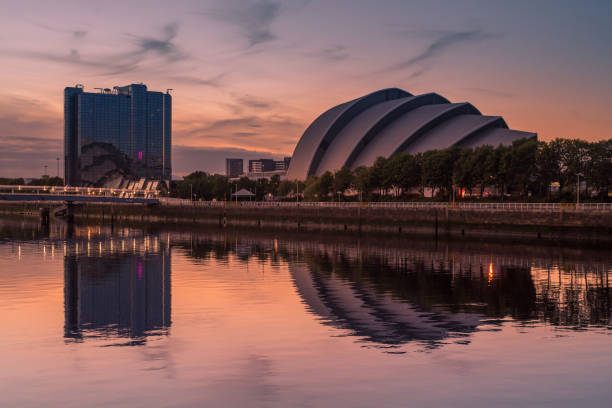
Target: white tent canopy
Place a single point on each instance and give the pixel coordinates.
(243, 193)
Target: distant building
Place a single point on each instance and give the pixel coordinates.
(234, 167)
(283, 164)
(261, 165)
(267, 165)
(124, 132)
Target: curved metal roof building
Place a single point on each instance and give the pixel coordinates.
(389, 121)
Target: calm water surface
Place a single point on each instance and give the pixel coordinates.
(125, 317)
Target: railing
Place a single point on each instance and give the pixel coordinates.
(78, 191)
(544, 207)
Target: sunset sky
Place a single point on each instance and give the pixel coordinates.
(249, 76)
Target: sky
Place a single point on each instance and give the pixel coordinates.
(248, 76)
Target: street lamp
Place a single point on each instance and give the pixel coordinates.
(578, 187)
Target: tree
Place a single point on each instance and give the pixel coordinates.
(311, 188)
(409, 175)
(504, 168)
(379, 178)
(438, 168)
(362, 181)
(221, 189)
(273, 185)
(343, 179)
(600, 171)
(523, 163)
(483, 167)
(464, 172)
(47, 181)
(198, 183)
(547, 167)
(326, 182)
(285, 188)
(12, 181)
(390, 173)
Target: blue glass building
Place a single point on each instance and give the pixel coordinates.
(124, 132)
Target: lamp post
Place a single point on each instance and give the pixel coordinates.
(191, 191)
(578, 187)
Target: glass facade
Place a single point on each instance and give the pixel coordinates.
(121, 293)
(126, 133)
(234, 167)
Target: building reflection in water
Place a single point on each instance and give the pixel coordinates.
(117, 294)
(389, 296)
(432, 299)
(117, 282)
(378, 317)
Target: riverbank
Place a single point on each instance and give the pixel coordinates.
(547, 223)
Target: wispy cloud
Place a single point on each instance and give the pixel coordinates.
(245, 104)
(123, 62)
(253, 18)
(439, 46)
(162, 45)
(248, 122)
(102, 65)
(254, 131)
(213, 82)
(333, 53)
(76, 33)
(253, 102)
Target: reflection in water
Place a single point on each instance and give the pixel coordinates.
(118, 294)
(377, 316)
(431, 299)
(389, 296)
(117, 283)
(281, 319)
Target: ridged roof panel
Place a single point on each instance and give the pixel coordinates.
(398, 133)
(452, 131)
(313, 145)
(495, 137)
(310, 140)
(342, 145)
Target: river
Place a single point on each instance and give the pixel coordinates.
(139, 317)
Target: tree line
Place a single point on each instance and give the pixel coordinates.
(203, 186)
(526, 170)
(43, 181)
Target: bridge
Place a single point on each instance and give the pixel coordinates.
(67, 194)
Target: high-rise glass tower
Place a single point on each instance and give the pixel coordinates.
(123, 132)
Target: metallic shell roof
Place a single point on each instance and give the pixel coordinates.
(389, 121)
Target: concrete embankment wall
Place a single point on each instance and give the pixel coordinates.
(448, 221)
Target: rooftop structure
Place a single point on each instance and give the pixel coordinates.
(389, 121)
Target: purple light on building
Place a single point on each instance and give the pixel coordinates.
(139, 271)
(139, 155)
